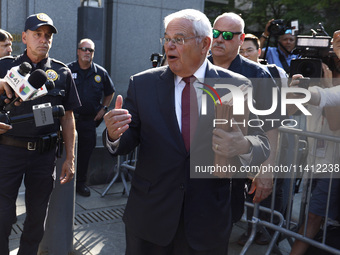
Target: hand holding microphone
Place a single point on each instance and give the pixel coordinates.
(26, 87)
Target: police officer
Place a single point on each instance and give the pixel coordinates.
(96, 91)
(29, 152)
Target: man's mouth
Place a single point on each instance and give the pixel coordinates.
(172, 57)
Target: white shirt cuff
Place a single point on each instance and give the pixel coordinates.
(247, 158)
(112, 146)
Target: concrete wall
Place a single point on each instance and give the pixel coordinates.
(63, 14)
(137, 26)
(137, 29)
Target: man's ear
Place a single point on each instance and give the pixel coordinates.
(242, 38)
(206, 42)
(23, 37)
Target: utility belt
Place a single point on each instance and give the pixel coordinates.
(42, 144)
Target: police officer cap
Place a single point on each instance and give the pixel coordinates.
(33, 22)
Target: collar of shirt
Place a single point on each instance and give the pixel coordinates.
(179, 86)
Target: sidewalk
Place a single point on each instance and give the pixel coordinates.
(99, 230)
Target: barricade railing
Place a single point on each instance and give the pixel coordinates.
(286, 226)
(124, 163)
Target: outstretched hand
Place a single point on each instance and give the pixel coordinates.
(4, 128)
(336, 43)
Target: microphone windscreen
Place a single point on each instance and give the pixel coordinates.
(24, 68)
(49, 84)
(58, 111)
(37, 78)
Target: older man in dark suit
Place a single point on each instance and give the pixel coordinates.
(168, 211)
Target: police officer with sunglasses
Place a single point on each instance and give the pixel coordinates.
(228, 36)
(96, 90)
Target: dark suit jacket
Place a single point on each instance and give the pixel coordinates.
(161, 187)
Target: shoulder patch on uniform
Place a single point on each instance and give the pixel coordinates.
(98, 78)
(51, 74)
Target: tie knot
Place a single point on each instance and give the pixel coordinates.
(189, 79)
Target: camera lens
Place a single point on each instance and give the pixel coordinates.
(307, 69)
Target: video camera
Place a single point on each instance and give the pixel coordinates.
(313, 50)
(156, 59)
(42, 114)
(277, 27)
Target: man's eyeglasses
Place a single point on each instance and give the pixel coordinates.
(86, 49)
(176, 40)
(225, 34)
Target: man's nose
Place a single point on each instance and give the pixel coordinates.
(219, 38)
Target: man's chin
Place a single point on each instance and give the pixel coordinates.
(217, 51)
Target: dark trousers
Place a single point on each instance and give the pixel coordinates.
(86, 143)
(178, 246)
(37, 170)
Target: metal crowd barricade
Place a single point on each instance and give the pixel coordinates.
(286, 226)
(124, 163)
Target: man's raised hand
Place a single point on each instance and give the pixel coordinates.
(117, 120)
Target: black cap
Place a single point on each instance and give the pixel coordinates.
(33, 22)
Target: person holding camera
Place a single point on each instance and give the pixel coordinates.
(329, 96)
(28, 152)
(282, 54)
(96, 91)
(326, 121)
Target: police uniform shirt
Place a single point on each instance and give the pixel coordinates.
(64, 93)
(91, 85)
(262, 83)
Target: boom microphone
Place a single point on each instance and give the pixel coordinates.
(42, 115)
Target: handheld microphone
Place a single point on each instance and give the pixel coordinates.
(17, 77)
(27, 87)
(43, 90)
(42, 114)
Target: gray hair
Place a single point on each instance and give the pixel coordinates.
(200, 22)
(233, 16)
(86, 40)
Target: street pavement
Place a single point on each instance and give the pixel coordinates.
(99, 230)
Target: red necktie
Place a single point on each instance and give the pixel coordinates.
(189, 111)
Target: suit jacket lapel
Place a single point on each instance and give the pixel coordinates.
(205, 122)
(166, 102)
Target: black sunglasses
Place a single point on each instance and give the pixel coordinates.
(85, 49)
(225, 34)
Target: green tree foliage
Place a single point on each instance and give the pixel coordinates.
(308, 12)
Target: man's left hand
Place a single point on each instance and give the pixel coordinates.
(100, 114)
(67, 172)
(230, 144)
(263, 185)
